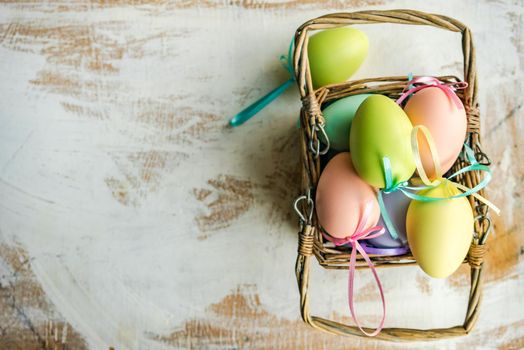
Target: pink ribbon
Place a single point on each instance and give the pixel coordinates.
(353, 239)
(420, 83)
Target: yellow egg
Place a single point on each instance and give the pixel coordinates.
(440, 232)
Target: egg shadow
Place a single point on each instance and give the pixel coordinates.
(271, 159)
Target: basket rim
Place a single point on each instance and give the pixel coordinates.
(311, 118)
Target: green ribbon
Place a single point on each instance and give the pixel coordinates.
(403, 186)
(392, 187)
(406, 189)
(248, 112)
(410, 78)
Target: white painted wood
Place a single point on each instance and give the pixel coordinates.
(113, 126)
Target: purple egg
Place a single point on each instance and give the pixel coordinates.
(397, 206)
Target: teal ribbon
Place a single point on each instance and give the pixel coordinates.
(389, 188)
(410, 78)
(248, 112)
(407, 190)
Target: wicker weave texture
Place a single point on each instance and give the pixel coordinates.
(310, 239)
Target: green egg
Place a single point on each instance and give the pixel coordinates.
(336, 54)
(339, 116)
(381, 129)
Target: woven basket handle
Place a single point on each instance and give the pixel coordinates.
(311, 113)
(305, 252)
(301, 66)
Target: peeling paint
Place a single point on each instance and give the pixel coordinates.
(20, 294)
(205, 4)
(141, 174)
(126, 103)
(227, 198)
(423, 284)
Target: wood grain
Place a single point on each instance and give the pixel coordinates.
(20, 295)
(131, 216)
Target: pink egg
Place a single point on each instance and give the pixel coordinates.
(342, 197)
(446, 122)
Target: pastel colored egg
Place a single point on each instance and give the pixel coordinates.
(341, 198)
(336, 54)
(440, 232)
(396, 204)
(446, 122)
(381, 129)
(339, 116)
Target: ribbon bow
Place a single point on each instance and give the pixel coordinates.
(420, 83)
(474, 166)
(439, 179)
(248, 112)
(361, 233)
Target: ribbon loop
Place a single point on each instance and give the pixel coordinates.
(466, 191)
(409, 191)
(419, 83)
(353, 239)
(248, 112)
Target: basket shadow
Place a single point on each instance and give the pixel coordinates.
(271, 161)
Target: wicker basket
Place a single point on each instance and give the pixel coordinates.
(310, 239)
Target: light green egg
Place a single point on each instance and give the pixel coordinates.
(335, 54)
(381, 129)
(339, 116)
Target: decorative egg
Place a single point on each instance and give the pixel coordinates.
(335, 54)
(339, 116)
(381, 129)
(440, 232)
(446, 122)
(341, 198)
(396, 204)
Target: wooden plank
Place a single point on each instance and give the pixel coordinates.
(131, 216)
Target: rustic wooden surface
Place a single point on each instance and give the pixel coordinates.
(132, 217)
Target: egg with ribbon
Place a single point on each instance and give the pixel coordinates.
(441, 111)
(440, 232)
(335, 54)
(396, 203)
(339, 116)
(341, 198)
(381, 129)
